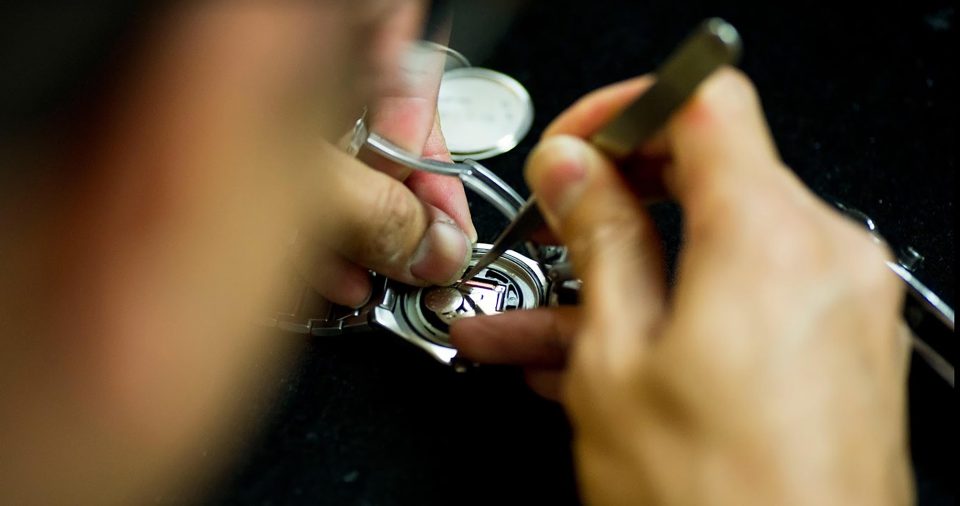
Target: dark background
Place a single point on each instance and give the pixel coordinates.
(862, 102)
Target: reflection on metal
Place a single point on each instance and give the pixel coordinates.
(423, 315)
(923, 305)
(454, 59)
(475, 177)
(443, 299)
(483, 112)
(931, 301)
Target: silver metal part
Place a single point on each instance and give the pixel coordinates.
(714, 44)
(483, 112)
(454, 59)
(934, 359)
(443, 300)
(903, 267)
(475, 177)
(910, 258)
(423, 316)
(931, 301)
(922, 305)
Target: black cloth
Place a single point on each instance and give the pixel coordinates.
(862, 103)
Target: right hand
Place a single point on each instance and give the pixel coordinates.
(772, 373)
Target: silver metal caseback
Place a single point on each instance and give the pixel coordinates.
(483, 112)
(423, 316)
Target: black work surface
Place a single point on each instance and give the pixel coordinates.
(862, 102)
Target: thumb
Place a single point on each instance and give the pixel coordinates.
(378, 223)
(613, 244)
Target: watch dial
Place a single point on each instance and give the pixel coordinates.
(483, 112)
(505, 285)
(491, 292)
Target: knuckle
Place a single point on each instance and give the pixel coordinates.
(866, 266)
(729, 93)
(739, 80)
(721, 211)
(863, 257)
(712, 213)
(613, 237)
(740, 90)
(796, 242)
(768, 229)
(389, 222)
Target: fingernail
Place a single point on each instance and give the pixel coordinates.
(352, 289)
(557, 173)
(364, 299)
(725, 95)
(442, 255)
(472, 235)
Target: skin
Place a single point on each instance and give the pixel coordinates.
(178, 207)
(171, 215)
(773, 372)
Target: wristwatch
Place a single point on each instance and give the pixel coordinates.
(422, 315)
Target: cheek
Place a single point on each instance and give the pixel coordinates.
(289, 68)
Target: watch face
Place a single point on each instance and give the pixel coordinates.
(511, 282)
(482, 112)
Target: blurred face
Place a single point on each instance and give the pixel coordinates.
(131, 291)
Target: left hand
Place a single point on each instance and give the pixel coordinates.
(373, 214)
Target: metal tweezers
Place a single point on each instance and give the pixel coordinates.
(713, 44)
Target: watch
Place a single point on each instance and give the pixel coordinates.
(423, 315)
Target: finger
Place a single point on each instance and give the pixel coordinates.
(589, 114)
(644, 170)
(538, 337)
(390, 27)
(734, 190)
(613, 244)
(544, 235)
(404, 121)
(406, 110)
(332, 276)
(435, 147)
(646, 280)
(547, 383)
(443, 192)
(750, 226)
(378, 223)
(720, 141)
(336, 279)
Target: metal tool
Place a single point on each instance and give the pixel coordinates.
(929, 318)
(931, 323)
(714, 44)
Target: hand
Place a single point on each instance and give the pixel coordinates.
(414, 227)
(773, 372)
(138, 258)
